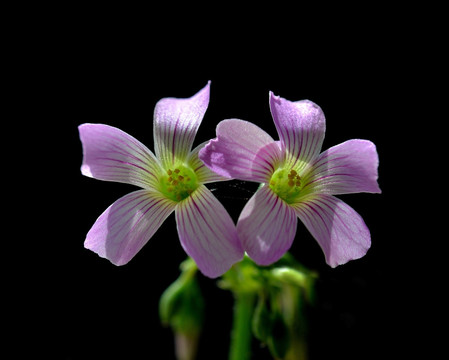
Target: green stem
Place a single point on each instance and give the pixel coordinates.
(241, 335)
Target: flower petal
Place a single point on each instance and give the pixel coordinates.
(176, 122)
(301, 126)
(267, 227)
(205, 175)
(127, 225)
(340, 231)
(350, 167)
(207, 233)
(241, 150)
(111, 154)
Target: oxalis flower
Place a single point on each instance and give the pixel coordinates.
(297, 182)
(171, 180)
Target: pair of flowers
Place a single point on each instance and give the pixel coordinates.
(297, 181)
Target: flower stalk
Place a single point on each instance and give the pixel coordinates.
(241, 335)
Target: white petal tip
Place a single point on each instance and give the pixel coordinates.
(85, 170)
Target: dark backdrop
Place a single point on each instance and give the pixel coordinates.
(112, 68)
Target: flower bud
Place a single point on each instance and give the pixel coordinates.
(182, 308)
(303, 279)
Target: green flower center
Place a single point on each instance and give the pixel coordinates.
(287, 185)
(179, 182)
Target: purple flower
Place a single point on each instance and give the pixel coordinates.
(171, 180)
(297, 182)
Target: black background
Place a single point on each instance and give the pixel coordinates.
(111, 66)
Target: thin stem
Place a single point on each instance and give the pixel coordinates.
(241, 335)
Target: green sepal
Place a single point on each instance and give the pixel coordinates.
(262, 321)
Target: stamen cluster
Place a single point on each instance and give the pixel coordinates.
(286, 185)
(179, 183)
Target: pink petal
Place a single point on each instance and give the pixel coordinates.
(340, 231)
(126, 226)
(176, 122)
(267, 227)
(301, 126)
(350, 167)
(205, 175)
(207, 233)
(241, 150)
(111, 154)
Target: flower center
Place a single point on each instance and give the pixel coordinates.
(287, 185)
(178, 183)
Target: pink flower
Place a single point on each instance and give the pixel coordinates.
(297, 182)
(172, 179)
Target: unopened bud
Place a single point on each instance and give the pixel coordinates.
(182, 305)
